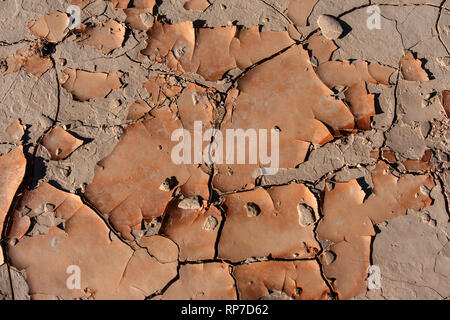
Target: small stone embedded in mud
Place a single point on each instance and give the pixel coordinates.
(253, 209)
(412, 68)
(330, 26)
(329, 257)
(210, 223)
(193, 203)
(306, 215)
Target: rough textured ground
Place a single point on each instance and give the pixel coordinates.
(86, 176)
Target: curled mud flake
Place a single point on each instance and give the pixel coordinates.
(12, 63)
(139, 14)
(381, 74)
(446, 102)
(300, 280)
(194, 231)
(15, 131)
(354, 77)
(421, 165)
(126, 185)
(160, 90)
(303, 86)
(389, 156)
(251, 46)
(345, 73)
(209, 281)
(197, 5)
(330, 26)
(246, 236)
(122, 273)
(37, 66)
(349, 268)
(105, 37)
(12, 171)
(52, 26)
(169, 184)
(361, 104)
(165, 39)
(60, 143)
(137, 110)
(211, 52)
(375, 154)
(299, 10)
(28, 58)
(212, 57)
(311, 106)
(412, 68)
(85, 85)
(321, 48)
(390, 197)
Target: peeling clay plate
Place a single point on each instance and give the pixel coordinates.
(224, 150)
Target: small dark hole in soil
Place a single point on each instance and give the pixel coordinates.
(47, 49)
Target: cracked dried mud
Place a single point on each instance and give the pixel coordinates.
(93, 205)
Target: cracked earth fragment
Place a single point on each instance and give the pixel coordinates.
(12, 171)
(105, 37)
(85, 85)
(52, 26)
(112, 270)
(139, 12)
(60, 143)
(254, 219)
(15, 131)
(412, 68)
(349, 227)
(194, 230)
(143, 147)
(299, 280)
(137, 110)
(299, 10)
(29, 58)
(211, 52)
(209, 281)
(362, 141)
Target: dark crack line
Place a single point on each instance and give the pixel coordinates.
(438, 28)
(104, 219)
(277, 11)
(167, 286)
